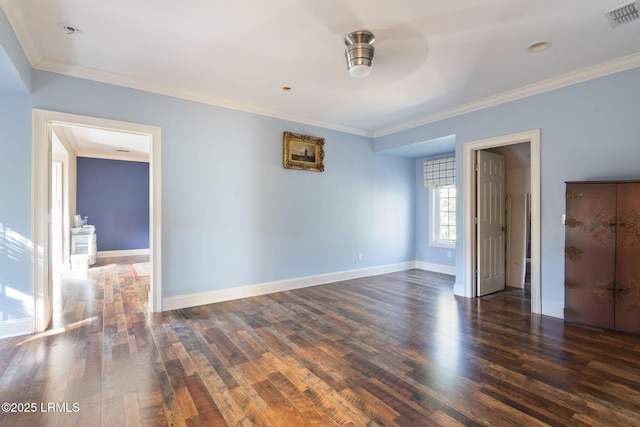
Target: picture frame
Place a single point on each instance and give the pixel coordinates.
(303, 152)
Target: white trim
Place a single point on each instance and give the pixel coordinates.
(38, 61)
(459, 289)
(466, 288)
(177, 92)
(155, 222)
(227, 294)
(41, 283)
(15, 327)
(40, 173)
(122, 253)
(589, 73)
(436, 268)
(554, 83)
(553, 309)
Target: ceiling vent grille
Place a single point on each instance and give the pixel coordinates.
(623, 14)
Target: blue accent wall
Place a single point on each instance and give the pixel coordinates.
(114, 194)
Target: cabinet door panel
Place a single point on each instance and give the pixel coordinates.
(590, 254)
(627, 307)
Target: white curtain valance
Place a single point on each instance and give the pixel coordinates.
(440, 172)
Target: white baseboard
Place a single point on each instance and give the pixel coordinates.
(459, 290)
(552, 309)
(228, 294)
(436, 268)
(122, 253)
(15, 327)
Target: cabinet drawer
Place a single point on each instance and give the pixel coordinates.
(82, 239)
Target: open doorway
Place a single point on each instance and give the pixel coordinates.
(468, 288)
(517, 163)
(44, 124)
(503, 185)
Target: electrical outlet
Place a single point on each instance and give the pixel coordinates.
(360, 256)
(448, 254)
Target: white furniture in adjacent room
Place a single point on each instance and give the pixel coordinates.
(83, 247)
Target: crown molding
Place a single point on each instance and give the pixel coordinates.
(590, 73)
(38, 61)
(29, 44)
(124, 81)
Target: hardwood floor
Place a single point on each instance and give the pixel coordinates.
(397, 349)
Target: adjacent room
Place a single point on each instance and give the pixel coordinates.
(319, 213)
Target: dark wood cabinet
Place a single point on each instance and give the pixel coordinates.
(602, 254)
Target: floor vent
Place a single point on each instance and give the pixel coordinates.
(623, 14)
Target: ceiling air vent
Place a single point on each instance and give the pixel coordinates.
(623, 14)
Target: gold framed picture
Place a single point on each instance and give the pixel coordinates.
(303, 152)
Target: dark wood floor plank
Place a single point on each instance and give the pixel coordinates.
(397, 349)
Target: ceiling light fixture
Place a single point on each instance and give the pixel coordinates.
(539, 47)
(359, 52)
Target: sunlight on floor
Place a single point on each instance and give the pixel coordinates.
(57, 331)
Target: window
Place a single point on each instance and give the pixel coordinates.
(443, 216)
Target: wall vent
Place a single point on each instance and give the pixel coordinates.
(623, 14)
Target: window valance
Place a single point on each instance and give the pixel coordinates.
(440, 172)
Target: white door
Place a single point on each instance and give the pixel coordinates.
(491, 225)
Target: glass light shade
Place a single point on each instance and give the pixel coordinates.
(360, 70)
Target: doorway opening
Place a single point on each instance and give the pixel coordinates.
(469, 288)
(47, 233)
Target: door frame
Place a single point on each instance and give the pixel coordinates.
(468, 201)
(57, 172)
(40, 215)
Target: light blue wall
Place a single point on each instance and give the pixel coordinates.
(589, 130)
(425, 252)
(15, 70)
(15, 206)
(231, 214)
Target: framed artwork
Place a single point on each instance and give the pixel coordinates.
(303, 152)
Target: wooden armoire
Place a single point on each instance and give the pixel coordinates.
(602, 254)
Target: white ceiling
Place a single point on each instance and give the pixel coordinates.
(104, 143)
(434, 58)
